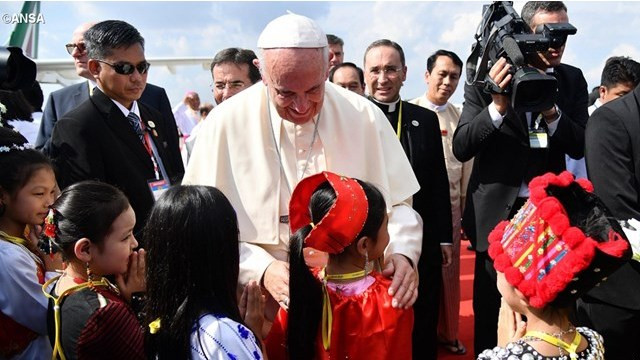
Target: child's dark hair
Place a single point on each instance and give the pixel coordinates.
(86, 210)
(17, 162)
(192, 265)
(305, 290)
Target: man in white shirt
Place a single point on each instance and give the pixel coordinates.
(444, 69)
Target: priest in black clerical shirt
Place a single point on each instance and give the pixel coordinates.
(419, 133)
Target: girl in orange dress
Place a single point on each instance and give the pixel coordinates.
(342, 311)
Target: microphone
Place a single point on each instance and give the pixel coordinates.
(513, 50)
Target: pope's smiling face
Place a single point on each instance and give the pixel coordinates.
(295, 79)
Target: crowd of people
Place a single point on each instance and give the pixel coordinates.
(313, 213)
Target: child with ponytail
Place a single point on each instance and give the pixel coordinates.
(91, 224)
(344, 310)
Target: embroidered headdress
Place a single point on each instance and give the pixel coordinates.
(341, 224)
(560, 244)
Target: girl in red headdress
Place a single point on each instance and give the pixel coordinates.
(559, 245)
(342, 311)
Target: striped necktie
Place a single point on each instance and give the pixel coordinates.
(134, 120)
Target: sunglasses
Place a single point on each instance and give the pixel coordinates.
(127, 68)
(81, 48)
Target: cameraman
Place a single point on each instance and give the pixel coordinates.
(506, 159)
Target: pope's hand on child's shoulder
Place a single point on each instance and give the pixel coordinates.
(404, 284)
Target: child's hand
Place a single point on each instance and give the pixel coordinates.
(134, 279)
(511, 327)
(34, 232)
(52, 262)
(251, 308)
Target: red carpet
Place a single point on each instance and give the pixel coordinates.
(465, 333)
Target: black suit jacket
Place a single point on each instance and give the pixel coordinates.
(613, 163)
(95, 141)
(62, 101)
(422, 142)
(502, 155)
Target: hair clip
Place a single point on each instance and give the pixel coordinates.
(49, 231)
(7, 148)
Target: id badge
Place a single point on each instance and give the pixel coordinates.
(157, 188)
(538, 139)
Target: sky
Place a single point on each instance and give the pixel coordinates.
(203, 28)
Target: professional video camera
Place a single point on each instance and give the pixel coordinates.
(503, 33)
(16, 70)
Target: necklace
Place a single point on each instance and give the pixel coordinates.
(275, 142)
(57, 302)
(23, 244)
(347, 276)
(556, 340)
(327, 314)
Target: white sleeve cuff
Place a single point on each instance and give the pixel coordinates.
(496, 118)
(254, 260)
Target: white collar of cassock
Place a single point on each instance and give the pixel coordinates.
(391, 105)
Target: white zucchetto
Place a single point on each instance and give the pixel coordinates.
(292, 31)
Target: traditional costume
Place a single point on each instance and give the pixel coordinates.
(256, 158)
(218, 337)
(23, 308)
(521, 350)
(92, 321)
(89, 320)
(358, 321)
(559, 245)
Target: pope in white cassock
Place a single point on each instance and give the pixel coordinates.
(256, 146)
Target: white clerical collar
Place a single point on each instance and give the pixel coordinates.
(391, 105)
(433, 107)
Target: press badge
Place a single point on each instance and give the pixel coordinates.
(158, 187)
(538, 139)
(538, 135)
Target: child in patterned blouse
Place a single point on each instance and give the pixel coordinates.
(192, 277)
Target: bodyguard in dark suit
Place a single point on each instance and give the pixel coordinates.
(498, 137)
(612, 151)
(419, 134)
(112, 137)
(62, 101)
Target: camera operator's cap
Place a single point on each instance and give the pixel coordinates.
(292, 31)
(344, 220)
(560, 244)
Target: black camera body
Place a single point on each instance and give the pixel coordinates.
(503, 33)
(16, 70)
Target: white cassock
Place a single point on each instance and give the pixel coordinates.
(256, 158)
(186, 119)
